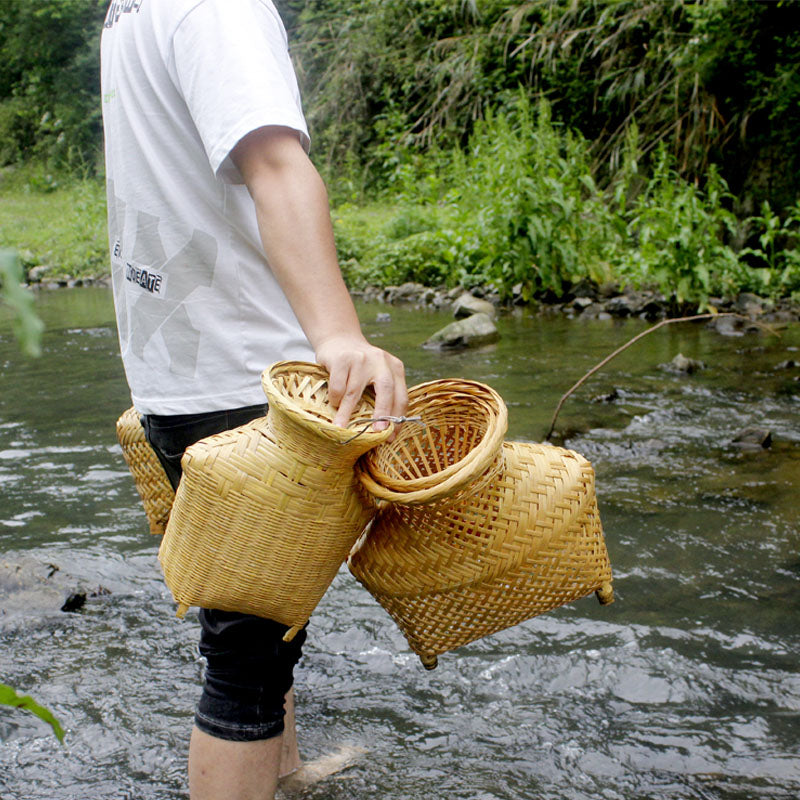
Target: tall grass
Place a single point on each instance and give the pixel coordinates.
(54, 219)
(518, 208)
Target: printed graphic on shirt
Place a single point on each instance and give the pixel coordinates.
(190, 268)
(146, 278)
(120, 7)
(116, 217)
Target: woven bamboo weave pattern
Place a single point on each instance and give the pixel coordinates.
(524, 542)
(458, 445)
(151, 481)
(265, 514)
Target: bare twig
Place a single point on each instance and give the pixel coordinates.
(635, 339)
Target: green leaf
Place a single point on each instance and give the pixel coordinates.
(9, 697)
(27, 325)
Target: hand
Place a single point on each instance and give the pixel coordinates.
(353, 364)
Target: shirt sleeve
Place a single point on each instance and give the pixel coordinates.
(234, 72)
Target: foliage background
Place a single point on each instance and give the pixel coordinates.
(526, 144)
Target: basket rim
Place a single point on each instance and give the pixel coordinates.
(489, 404)
(280, 400)
(456, 476)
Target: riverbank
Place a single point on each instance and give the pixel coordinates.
(589, 301)
(58, 227)
(585, 300)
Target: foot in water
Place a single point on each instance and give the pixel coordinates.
(320, 768)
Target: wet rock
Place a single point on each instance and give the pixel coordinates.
(780, 316)
(383, 316)
(623, 305)
(751, 304)
(596, 311)
(493, 296)
(439, 300)
(30, 589)
(727, 326)
(427, 297)
(581, 303)
(682, 365)
(35, 274)
(405, 293)
(753, 438)
(610, 397)
(467, 304)
(475, 330)
(646, 304)
(74, 602)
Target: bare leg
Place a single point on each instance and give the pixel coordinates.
(223, 770)
(290, 757)
(242, 770)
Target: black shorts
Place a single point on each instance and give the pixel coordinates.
(249, 668)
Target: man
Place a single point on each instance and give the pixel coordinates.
(223, 261)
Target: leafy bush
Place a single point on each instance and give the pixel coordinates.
(50, 83)
(677, 238)
(715, 81)
(518, 208)
(776, 257)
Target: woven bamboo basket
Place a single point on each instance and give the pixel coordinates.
(151, 481)
(266, 513)
(453, 568)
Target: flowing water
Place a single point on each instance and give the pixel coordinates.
(687, 687)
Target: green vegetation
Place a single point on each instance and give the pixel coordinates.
(27, 325)
(54, 219)
(519, 207)
(49, 82)
(9, 697)
(528, 145)
(714, 81)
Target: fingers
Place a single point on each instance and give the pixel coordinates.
(391, 397)
(352, 370)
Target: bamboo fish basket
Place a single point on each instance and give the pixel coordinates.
(475, 534)
(151, 481)
(265, 514)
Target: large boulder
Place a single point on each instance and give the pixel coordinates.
(31, 590)
(466, 305)
(475, 330)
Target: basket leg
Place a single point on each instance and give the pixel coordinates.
(605, 594)
(429, 662)
(181, 610)
(292, 632)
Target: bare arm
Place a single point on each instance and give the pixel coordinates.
(295, 226)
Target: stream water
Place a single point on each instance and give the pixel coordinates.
(687, 687)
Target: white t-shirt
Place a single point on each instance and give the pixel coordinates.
(200, 314)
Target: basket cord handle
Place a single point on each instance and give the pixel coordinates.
(366, 423)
